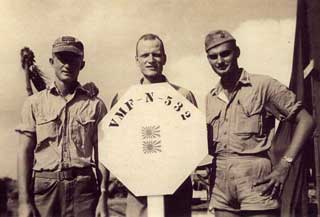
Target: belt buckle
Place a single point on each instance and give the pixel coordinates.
(66, 175)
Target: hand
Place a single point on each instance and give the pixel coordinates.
(102, 208)
(27, 210)
(26, 57)
(91, 88)
(275, 180)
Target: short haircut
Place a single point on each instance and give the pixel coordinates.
(150, 36)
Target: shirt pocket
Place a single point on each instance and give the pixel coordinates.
(47, 128)
(248, 118)
(82, 132)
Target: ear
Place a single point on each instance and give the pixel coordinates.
(237, 51)
(164, 59)
(137, 60)
(83, 63)
(51, 61)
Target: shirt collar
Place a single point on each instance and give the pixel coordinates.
(243, 80)
(162, 79)
(244, 77)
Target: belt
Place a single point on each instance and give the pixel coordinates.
(67, 174)
(226, 155)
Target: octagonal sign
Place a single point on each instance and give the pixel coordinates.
(152, 139)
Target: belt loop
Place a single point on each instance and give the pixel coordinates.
(59, 176)
(74, 173)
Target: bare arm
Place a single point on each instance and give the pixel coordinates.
(27, 81)
(304, 128)
(27, 59)
(102, 209)
(275, 180)
(25, 164)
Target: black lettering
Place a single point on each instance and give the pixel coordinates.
(178, 106)
(168, 100)
(129, 104)
(149, 97)
(113, 123)
(121, 113)
(186, 115)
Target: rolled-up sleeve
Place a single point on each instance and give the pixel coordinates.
(283, 101)
(27, 123)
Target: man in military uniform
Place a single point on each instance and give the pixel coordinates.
(240, 117)
(40, 80)
(150, 58)
(58, 137)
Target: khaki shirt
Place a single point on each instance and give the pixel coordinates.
(243, 124)
(65, 127)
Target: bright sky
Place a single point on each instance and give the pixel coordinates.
(109, 29)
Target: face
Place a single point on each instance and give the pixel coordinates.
(67, 66)
(223, 58)
(150, 58)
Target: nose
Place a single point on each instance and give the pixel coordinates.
(66, 65)
(150, 58)
(219, 59)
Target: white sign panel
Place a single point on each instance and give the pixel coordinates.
(152, 139)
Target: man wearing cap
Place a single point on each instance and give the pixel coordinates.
(40, 80)
(240, 116)
(150, 58)
(32, 72)
(58, 142)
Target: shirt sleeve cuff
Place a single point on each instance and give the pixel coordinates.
(23, 129)
(294, 110)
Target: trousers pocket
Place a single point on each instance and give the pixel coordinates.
(87, 183)
(43, 185)
(262, 169)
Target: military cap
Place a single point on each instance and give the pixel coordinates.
(216, 38)
(68, 43)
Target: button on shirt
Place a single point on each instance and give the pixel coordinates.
(243, 123)
(65, 127)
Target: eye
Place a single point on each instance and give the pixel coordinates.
(213, 56)
(225, 53)
(69, 57)
(156, 55)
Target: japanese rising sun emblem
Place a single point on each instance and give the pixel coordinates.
(151, 139)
